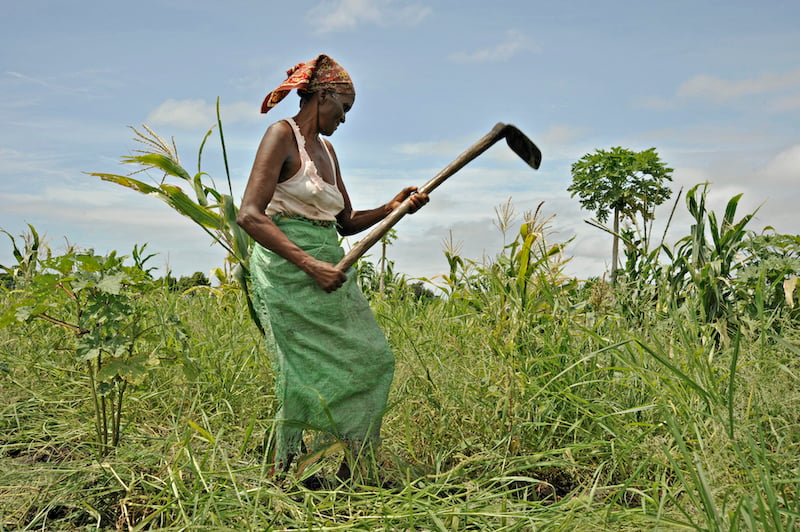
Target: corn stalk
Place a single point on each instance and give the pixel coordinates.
(707, 260)
(214, 211)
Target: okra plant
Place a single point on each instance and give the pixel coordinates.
(116, 335)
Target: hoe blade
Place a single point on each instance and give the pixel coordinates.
(523, 146)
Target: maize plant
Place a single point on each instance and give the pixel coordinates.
(214, 211)
(705, 262)
(27, 256)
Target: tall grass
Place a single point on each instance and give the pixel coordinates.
(555, 408)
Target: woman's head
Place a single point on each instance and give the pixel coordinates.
(320, 75)
(332, 108)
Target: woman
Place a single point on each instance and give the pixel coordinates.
(334, 365)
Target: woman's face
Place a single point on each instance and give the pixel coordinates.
(333, 107)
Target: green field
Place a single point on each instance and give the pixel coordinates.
(523, 400)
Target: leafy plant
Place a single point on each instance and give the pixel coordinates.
(623, 182)
(568, 416)
(459, 275)
(27, 257)
(641, 283)
(185, 282)
(705, 261)
(532, 262)
(526, 272)
(214, 211)
(99, 301)
(772, 270)
(386, 241)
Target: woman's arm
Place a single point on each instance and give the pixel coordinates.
(351, 222)
(274, 154)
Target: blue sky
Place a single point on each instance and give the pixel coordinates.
(714, 86)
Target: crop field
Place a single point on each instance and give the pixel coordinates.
(523, 399)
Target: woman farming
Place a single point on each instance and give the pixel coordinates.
(333, 365)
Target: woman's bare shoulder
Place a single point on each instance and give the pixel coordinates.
(278, 138)
(279, 130)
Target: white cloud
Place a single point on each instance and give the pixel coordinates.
(194, 114)
(436, 148)
(784, 168)
(514, 43)
(449, 149)
(46, 84)
(783, 89)
(16, 164)
(718, 89)
(88, 83)
(28, 79)
(346, 15)
(786, 104)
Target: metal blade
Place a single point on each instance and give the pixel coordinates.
(523, 146)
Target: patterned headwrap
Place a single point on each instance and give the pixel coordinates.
(321, 73)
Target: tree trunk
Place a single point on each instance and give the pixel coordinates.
(615, 248)
(381, 281)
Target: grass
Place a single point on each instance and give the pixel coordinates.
(572, 417)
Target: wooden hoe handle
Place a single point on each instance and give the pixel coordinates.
(516, 140)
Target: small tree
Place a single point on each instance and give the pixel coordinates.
(118, 335)
(621, 181)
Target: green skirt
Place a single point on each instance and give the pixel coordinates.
(333, 364)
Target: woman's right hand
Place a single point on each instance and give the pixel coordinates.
(325, 274)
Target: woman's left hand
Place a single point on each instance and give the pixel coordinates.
(417, 199)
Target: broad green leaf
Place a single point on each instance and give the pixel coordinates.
(241, 240)
(201, 431)
(23, 313)
(105, 388)
(90, 263)
(112, 284)
(16, 252)
(64, 264)
(9, 317)
(199, 189)
(82, 283)
(134, 370)
(86, 352)
(160, 161)
(128, 182)
(202, 146)
(178, 200)
(730, 209)
(523, 272)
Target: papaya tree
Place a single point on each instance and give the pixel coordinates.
(626, 183)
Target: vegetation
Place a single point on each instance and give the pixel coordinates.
(623, 182)
(214, 211)
(523, 400)
(184, 282)
(99, 302)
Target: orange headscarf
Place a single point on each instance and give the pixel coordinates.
(321, 73)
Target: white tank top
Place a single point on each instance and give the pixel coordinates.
(306, 193)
